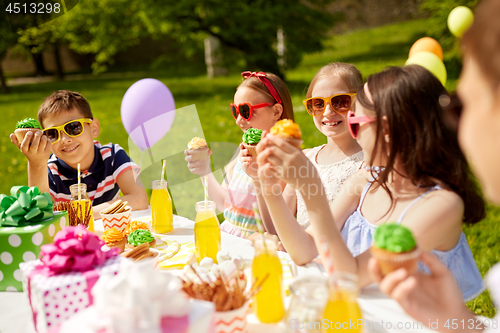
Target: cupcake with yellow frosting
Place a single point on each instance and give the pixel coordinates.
(198, 149)
(114, 238)
(251, 138)
(289, 131)
(134, 225)
(139, 237)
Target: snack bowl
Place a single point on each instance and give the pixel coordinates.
(232, 321)
(117, 220)
(153, 259)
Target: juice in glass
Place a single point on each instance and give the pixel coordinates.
(268, 303)
(161, 208)
(82, 205)
(206, 231)
(342, 310)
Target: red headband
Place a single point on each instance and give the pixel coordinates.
(262, 77)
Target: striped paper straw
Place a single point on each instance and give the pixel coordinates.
(326, 258)
(260, 226)
(204, 181)
(79, 193)
(163, 171)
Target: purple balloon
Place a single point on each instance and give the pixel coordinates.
(148, 111)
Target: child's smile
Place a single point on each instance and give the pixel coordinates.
(76, 149)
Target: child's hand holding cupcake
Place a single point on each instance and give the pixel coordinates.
(28, 137)
(198, 156)
(250, 139)
(280, 152)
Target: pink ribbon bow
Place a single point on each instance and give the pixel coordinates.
(74, 249)
(263, 78)
(248, 74)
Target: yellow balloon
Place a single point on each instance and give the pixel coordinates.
(460, 20)
(431, 62)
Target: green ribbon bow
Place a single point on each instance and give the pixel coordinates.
(24, 206)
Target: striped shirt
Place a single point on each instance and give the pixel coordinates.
(110, 162)
(238, 212)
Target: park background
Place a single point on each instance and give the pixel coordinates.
(101, 47)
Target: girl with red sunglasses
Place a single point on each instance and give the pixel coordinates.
(415, 175)
(259, 102)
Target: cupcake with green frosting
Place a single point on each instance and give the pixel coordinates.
(394, 247)
(24, 126)
(251, 138)
(139, 237)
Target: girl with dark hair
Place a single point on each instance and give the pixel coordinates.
(416, 175)
(435, 296)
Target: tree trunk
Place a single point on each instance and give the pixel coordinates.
(3, 85)
(40, 68)
(59, 66)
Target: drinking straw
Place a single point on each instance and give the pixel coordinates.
(260, 226)
(325, 255)
(79, 193)
(163, 171)
(204, 181)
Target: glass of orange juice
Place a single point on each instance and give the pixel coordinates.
(161, 207)
(268, 302)
(82, 205)
(206, 231)
(342, 312)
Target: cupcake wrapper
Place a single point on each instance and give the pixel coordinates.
(198, 154)
(293, 141)
(252, 149)
(390, 262)
(21, 132)
(120, 245)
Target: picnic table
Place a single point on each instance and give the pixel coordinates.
(381, 314)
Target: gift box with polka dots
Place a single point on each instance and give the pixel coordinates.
(22, 244)
(54, 299)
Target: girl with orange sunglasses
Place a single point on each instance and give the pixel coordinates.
(329, 98)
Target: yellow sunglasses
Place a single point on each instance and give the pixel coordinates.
(340, 103)
(72, 128)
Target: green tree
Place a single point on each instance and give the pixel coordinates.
(438, 29)
(7, 40)
(102, 28)
(248, 27)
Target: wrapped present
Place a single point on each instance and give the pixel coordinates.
(26, 223)
(59, 284)
(141, 299)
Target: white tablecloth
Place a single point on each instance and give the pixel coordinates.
(382, 315)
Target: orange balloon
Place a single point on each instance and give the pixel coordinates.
(427, 44)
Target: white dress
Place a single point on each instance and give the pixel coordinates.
(333, 176)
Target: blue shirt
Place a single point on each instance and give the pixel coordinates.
(110, 162)
(358, 232)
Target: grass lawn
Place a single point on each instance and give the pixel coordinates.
(370, 50)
